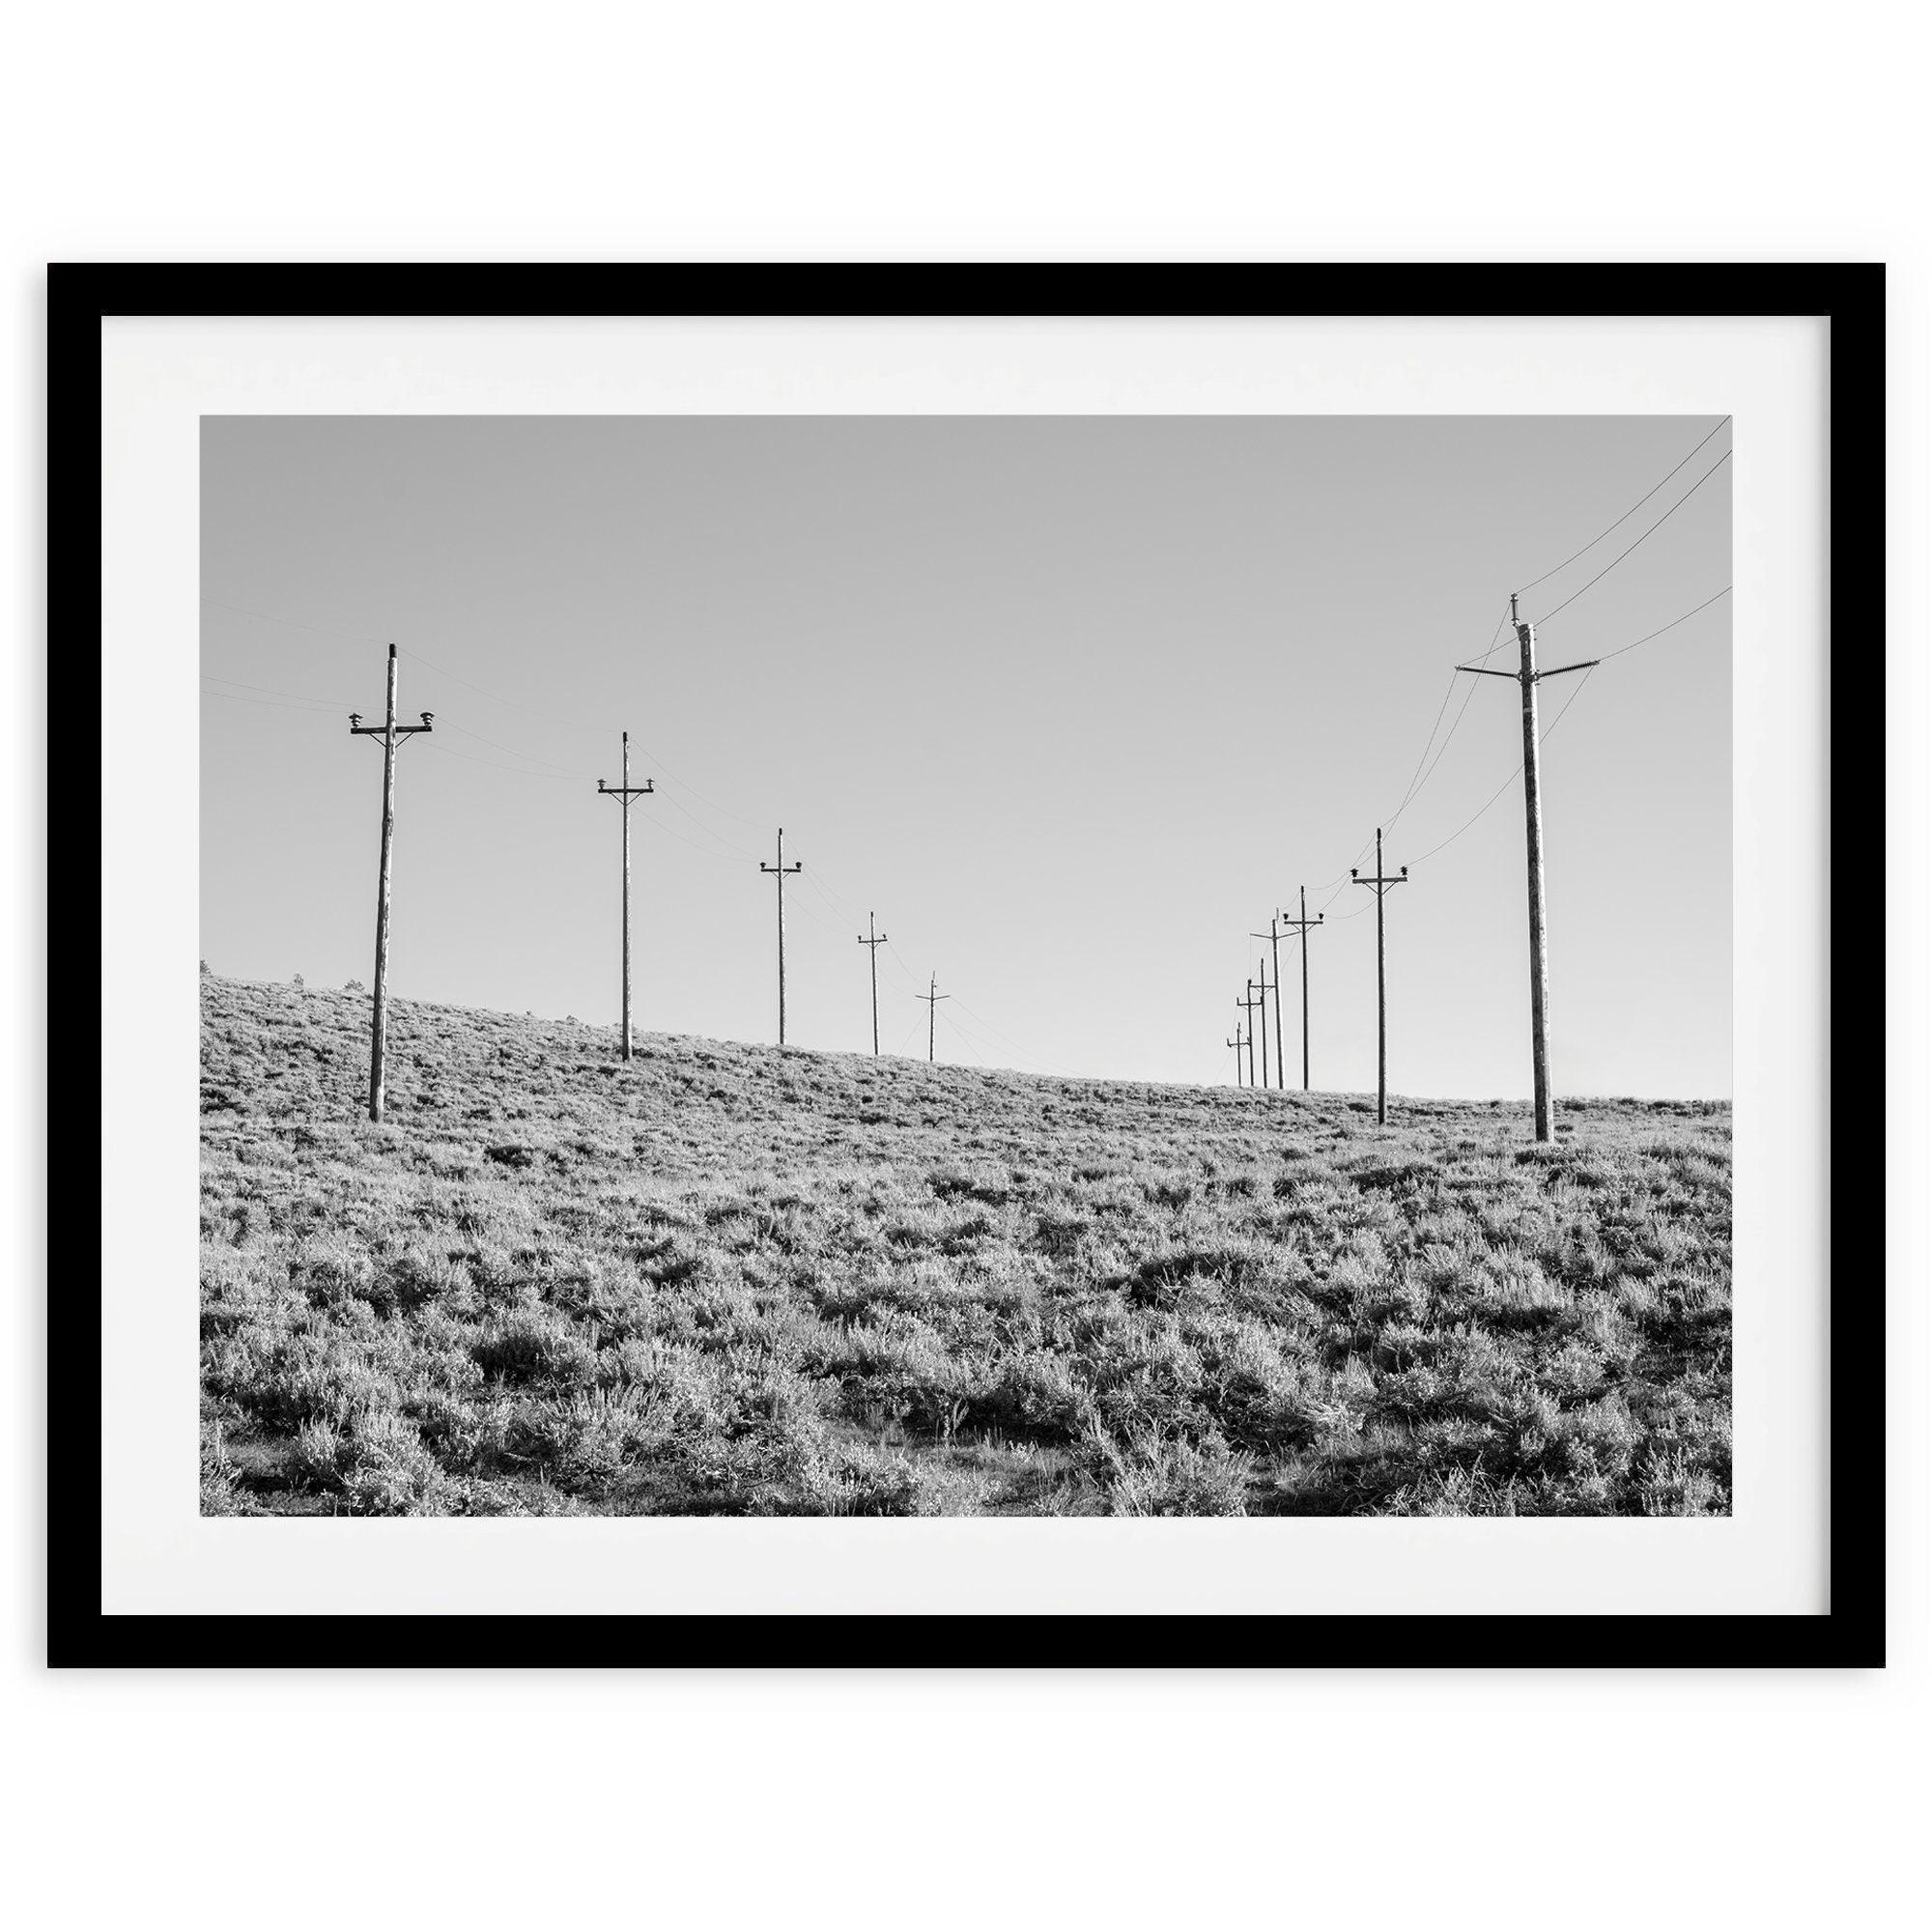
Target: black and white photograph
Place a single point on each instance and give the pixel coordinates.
(997, 964)
(966, 966)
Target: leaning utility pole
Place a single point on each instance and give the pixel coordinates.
(1529, 677)
(780, 869)
(877, 940)
(1381, 887)
(932, 1000)
(1237, 1044)
(624, 793)
(1248, 1006)
(1273, 937)
(1302, 925)
(391, 735)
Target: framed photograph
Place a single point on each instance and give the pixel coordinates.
(1008, 945)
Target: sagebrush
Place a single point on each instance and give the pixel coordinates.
(726, 1279)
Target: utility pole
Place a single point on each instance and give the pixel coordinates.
(1302, 925)
(1264, 987)
(779, 870)
(1529, 677)
(624, 793)
(1273, 937)
(1237, 1044)
(1248, 1006)
(932, 1000)
(391, 734)
(1383, 888)
(877, 940)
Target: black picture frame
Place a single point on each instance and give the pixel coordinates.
(81, 295)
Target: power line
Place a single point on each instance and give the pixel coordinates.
(508, 704)
(273, 703)
(292, 623)
(1581, 686)
(981, 1020)
(1671, 626)
(1339, 884)
(1658, 525)
(1416, 779)
(1567, 703)
(269, 690)
(1624, 519)
(563, 771)
(491, 764)
(665, 771)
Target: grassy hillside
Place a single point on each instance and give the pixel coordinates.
(726, 1279)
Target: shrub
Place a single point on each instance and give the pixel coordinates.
(1151, 1476)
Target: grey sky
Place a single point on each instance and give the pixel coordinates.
(1075, 703)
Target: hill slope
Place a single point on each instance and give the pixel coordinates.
(726, 1279)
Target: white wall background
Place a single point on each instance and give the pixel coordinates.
(842, 131)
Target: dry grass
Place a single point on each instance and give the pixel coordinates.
(725, 1279)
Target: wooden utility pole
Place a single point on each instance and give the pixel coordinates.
(1262, 988)
(624, 793)
(1382, 886)
(877, 940)
(1273, 937)
(1302, 925)
(1529, 677)
(391, 734)
(1237, 1044)
(779, 870)
(1248, 1006)
(932, 1000)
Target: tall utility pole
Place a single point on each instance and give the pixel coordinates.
(1248, 1006)
(1237, 1044)
(877, 940)
(1273, 937)
(624, 793)
(779, 870)
(1383, 888)
(1529, 677)
(1302, 925)
(391, 734)
(932, 1000)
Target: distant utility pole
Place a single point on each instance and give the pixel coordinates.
(1262, 988)
(1529, 677)
(1237, 1044)
(779, 870)
(1273, 937)
(1302, 925)
(391, 734)
(1248, 1006)
(932, 1000)
(877, 940)
(1381, 887)
(624, 793)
